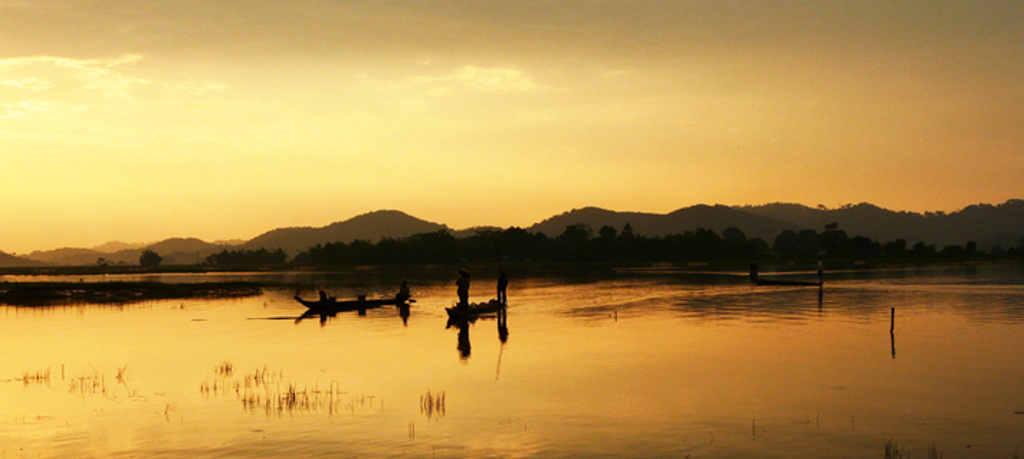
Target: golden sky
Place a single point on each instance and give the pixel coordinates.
(143, 120)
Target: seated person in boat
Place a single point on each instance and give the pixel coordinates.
(403, 294)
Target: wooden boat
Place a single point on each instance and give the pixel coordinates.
(360, 304)
(787, 283)
(474, 310)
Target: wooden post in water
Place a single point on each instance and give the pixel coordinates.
(892, 329)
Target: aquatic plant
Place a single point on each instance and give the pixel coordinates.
(432, 405)
(37, 377)
(225, 369)
(892, 451)
(265, 391)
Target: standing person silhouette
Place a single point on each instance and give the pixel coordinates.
(502, 287)
(463, 289)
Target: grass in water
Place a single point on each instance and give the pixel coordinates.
(268, 392)
(892, 451)
(432, 404)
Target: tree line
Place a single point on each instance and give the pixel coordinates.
(579, 243)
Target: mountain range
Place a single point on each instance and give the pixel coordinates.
(987, 225)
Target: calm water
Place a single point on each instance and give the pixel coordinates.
(644, 363)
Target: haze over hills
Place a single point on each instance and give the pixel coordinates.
(987, 225)
(175, 251)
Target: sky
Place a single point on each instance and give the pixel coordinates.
(144, 120)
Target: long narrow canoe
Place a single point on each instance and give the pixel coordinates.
(349, 305)
(787, 283)
(474, 310)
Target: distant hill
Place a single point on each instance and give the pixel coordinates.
(68, 256)
(716, 218)
(117, 246)
(10, 261)
(372, 227)
(175, 251)
(988, 225)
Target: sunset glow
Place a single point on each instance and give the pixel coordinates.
(141, 121)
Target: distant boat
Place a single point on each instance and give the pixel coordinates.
(361, 304)
(760, 281)
(475, 310)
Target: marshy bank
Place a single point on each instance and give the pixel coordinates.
(118, 292)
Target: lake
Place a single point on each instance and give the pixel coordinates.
(652, 363)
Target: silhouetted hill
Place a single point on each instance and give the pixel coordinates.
(469, 232)
(179, 251)
(10, 261)
(985, 224)
(595, 218)
(68, 256)
(716, 218)
(175, 251)
(372, 227)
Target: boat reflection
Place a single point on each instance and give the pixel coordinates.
(462, 324)
(404, 311)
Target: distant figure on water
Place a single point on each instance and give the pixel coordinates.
(403, 294)
(463, 289)
(502, 287)
(323, 296)
(821, 271)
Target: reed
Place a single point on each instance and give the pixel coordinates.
(265, 391)
(432, 404)
(38, 377)
(892, 451)
(224, 369)
(89, 385)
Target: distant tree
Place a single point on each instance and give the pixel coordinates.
(576, 234)
(627, 232)
(972, 249)
(897, 248)
(607, 233)
(150, 259)
(574, 241)
(101, 262)
(923, 250)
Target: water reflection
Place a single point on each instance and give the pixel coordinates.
(325, 316)
(462, 324)
(706, 369)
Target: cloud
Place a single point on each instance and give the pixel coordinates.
(26, 109)
(28, 84)
(497, 79)
(108, 76)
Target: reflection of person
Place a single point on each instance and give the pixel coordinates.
(463, 289)
(502, 326)
(502, 287)
(403, 293)
(464, 347)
